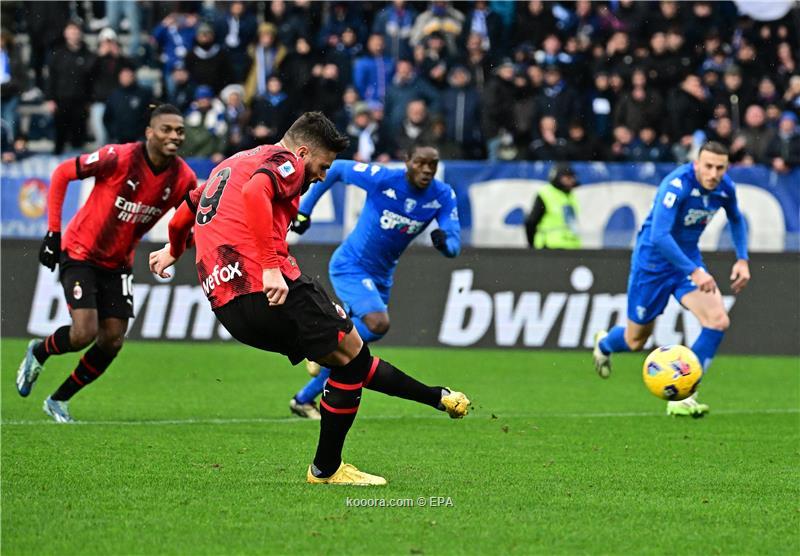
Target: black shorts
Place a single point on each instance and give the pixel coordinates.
(309, 324)
(87, 286)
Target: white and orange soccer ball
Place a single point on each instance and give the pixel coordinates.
(672, 372)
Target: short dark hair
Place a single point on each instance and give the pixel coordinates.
(714, 147)
(417, 145)
(316, 130)
(157, 110)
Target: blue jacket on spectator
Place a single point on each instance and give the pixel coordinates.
(372, 76)
(175, 43)
(401, 93)
(395, 26)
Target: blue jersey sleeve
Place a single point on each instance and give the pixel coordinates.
(666, 208)
(738, 224)
(363, 175)
(447, 218)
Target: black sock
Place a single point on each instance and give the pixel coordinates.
(55, 344)
(93, 363)
(338, 406)
(388, 379)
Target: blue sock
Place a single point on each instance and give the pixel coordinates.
(366, 334)
(314, 387)
(706, 344)
(615, 341)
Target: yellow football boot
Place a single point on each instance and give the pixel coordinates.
(346, 475)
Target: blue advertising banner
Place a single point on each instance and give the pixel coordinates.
(493, 198)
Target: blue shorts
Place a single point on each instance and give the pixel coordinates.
(648, 292)
(361, 293)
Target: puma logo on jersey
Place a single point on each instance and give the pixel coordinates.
(133, 184)
(48, 250)
(220, 276)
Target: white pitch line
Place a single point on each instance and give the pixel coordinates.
(483, 415)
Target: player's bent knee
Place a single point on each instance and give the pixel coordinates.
(110, 344)
(719, 321)
(377, 323)
(82, 336)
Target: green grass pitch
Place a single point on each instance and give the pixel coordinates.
(189, 449)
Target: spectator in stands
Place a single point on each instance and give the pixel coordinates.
(648, 148)
(125, 115)
(237, 118)
(301, 19)
(439, 17)
(783, 151)
(45, 22)
(236, 30)
(553, 220)
(208, 62)
(766, 93)
(721, 130)
(488, 24)
(115, 10)
(557, 98)
(406, 87)
(461, 103)
(534, 22)
(640, 107)
(205, 127)
(551, 54)
(787, 66)
(791, 98)
(754, 137)
(267, 59)
(434, 61)
(688, 109)
(732, 95)
(14, 79)
(341, 17)
(326, 89)
(415, 128)
(548, 145)
(394, 22)
(601, 103)
(297, 73)
(620, 150)
(344, 115)
(581, 146)
(448, 149)
(364, 134)
(183, 89)
(104, 76)
(174, 37)
(373, 72)
(68, 84)
(477, 61)
(498, 103)
(272, 112)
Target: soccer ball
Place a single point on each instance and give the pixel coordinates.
(672, 372)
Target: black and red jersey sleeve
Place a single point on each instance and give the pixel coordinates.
(286, 171)
(100, 164)
(188, 183)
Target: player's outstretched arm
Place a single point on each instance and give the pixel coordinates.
(179, 229)
(740, 273)
(50, 252)
(447, 238)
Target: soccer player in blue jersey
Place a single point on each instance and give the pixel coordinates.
(399, 206)
(666, 261)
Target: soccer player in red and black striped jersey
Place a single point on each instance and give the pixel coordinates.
(135, 184)
(241, 217)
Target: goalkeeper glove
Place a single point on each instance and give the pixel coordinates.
(301, 223)
(50, 252)
(439, 239)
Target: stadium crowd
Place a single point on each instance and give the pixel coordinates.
(609, 81)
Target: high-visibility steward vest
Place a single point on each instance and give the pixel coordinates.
(559, 225)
